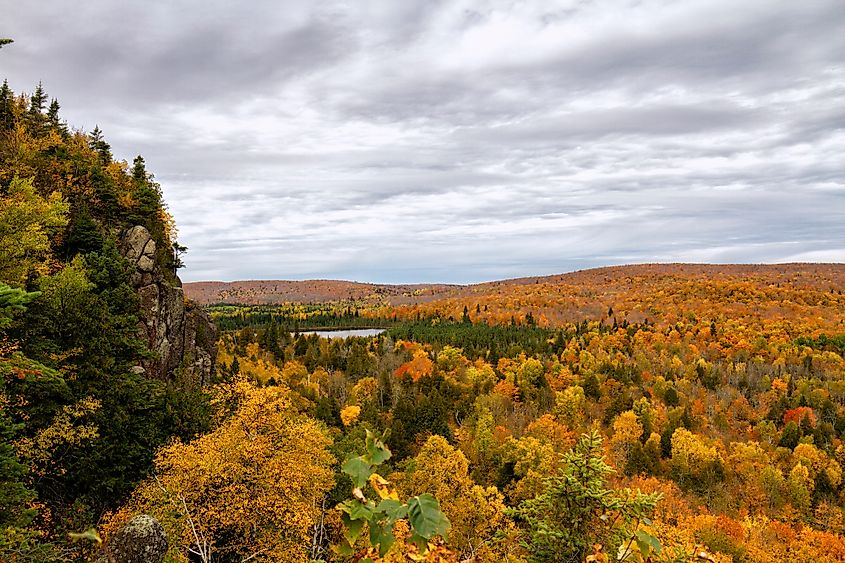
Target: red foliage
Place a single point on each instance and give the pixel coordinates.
(798, 414)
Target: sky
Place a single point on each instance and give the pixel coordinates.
(461, 141)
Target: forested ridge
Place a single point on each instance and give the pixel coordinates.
(80, 420)
(645, 413)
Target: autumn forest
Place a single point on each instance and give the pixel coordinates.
(650, 413)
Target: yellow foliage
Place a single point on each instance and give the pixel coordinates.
(810, 457)
(253, 487)
(569, 406)
(27, 221)
(481, 374)
(626, 430)
(65, 430)
(690, 452)
(365, 392)
(476, 513)
(349, 415)
(450, 358)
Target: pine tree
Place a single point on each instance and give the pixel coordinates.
(13, 300)
(53, 117)
(7, 117)
(577, 509)
(139, 170)
(97, 142)
(37, 100)
(14, 495)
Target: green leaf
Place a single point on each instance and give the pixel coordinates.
(420, 542)
(344, 549)
(359, 470)
(89, 534)
(353, 527)
(393, 509)
(357, 510)
(381, 536)
(646, 542)
(376, 450)
(361, 511)
(426, 518)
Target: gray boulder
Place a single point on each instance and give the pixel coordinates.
(141, 540)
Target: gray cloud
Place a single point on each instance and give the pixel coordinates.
(462, 141)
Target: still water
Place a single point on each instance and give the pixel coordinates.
(346, 333)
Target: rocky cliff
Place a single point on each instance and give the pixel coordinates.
(181, 335)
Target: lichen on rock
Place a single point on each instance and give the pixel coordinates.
(141, 540)
(181, 336)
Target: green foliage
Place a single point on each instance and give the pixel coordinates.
(414, 415)
(27, 222)
(14, 493)
(790, 436)
(83, 233)
(592, 387)
(289, 318)
(671, 397)
(13, 300)
(577, 509)
(476, 340)
(824, 342)
(71, 343)
(422, 512)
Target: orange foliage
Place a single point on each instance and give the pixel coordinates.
(420, 366)
(798, 414)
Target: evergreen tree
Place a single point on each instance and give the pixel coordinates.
(577, 509)
(13, 300)
(37, 100)
(14, 493)
(7, 116)
(790, 436)
(97, 142)
(592, 387)
(139, 170)
(54, 120)
(83, 234)
(670, 397)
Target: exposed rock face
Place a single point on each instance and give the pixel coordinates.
(179, 332)
(141, 540)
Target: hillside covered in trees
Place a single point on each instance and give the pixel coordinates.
(644, 413)
(706, 400)
(101, 361)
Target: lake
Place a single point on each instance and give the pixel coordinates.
(346, 333)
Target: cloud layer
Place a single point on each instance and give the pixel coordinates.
(462, 141)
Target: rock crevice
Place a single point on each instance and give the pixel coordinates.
(179, 333)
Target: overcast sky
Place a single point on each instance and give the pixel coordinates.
(455, 141)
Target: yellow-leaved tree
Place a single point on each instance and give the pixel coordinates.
(28, 221)
(252, 488)
(476, 513)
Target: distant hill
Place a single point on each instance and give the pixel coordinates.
(269, 292)
(615, 278)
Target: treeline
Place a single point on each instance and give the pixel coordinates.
(294, 318)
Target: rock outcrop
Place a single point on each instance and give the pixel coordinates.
(141, 540)
(182, 335)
